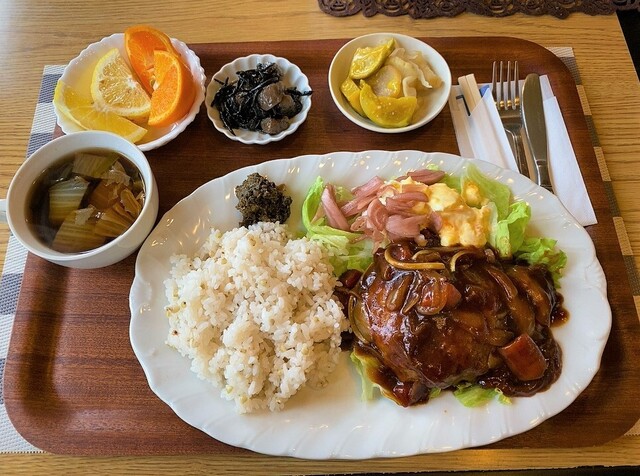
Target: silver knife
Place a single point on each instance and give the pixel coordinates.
(536, 130)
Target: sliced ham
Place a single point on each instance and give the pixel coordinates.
(405, 227)
(368, 188)
(335, 218)
(377, 215)
(380, 211)
(356, 205)
(425, 176)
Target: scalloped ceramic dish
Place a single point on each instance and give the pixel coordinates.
(434, 100)
(292, 77)
(79, 71)
(334, 422)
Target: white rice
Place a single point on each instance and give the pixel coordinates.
(255, 311)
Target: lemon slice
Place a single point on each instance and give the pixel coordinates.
(387, 81)
(113, 88)
(80, 109)
(368, 60)
(386, 111)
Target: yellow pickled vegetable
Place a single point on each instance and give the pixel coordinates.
(387, 111)
(366, 61)
(387, 81)
(351, 91)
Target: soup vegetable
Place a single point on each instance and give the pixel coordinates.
(86, 200)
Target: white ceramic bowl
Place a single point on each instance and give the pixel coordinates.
(435, 99)
(79, 71)
(19, 192)
(292, 77)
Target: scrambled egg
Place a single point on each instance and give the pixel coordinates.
(465, 218)
(461, 224)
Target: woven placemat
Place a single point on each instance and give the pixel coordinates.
(42, 131)
(491, 8)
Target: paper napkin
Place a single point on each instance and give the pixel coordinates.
(481, 136)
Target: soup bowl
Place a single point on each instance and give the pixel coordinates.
(21, 189)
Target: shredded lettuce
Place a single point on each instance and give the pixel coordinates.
(543, 251)
(475, 396)
(367, 385)
(507, 235)
(347, 250)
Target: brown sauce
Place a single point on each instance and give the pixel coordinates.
(438, 328)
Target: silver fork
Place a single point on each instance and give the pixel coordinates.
(506, 94)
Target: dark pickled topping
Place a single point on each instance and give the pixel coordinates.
(439, 317)
(259, 199)
(258, 101)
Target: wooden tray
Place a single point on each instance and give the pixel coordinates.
(72, 382)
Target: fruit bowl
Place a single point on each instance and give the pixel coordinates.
(433, 102)
(292, 76)
(79, 71)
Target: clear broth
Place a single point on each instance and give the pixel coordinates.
(76, 237)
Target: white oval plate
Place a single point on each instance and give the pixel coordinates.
(334, 422)
(79, 71)
(292, 77)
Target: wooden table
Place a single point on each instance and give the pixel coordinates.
(34, 35)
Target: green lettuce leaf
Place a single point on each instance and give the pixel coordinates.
(359, 362)
(475, 395)
(347, 250)
(470, 395)
(543, 251)
(366, 364)
(508, 220)
(451, 181)
(508, 234)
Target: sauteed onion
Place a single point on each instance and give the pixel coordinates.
(410, 265)
(432, 318)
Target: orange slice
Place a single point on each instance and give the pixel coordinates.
(140, 42)
(175, 90)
